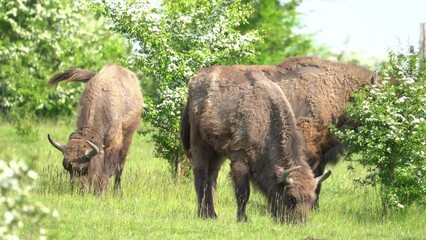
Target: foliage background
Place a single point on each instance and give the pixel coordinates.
(181, 37)
(40, 38)
(278, 23)
(172, 43)
(389, 131)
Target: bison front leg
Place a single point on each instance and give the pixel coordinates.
(332, 156)
(240, 175)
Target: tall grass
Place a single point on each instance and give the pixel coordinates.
(156, 206)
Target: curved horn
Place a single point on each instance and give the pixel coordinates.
(284, 176)
(57, 145)
(323, 177)
(94, 151)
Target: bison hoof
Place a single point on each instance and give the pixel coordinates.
(242, 218)
(212, 215)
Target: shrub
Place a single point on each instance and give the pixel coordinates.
(390, 131)
(172, 43)
(40, 38)
(18, 208)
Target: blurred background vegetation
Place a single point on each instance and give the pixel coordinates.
(43, 37)
(38, 39)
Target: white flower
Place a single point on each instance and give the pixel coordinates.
(409, 80)
(8, 217)
(401, 99)
(185, 19)
(32, 174)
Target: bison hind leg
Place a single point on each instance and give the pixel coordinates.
(240, 173)
(206, 165)
(122, 155)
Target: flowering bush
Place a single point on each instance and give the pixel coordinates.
(172, 43)
(14, 200)
(38, 39)
(390, 131)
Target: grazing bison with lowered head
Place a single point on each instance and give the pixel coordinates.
(241, 115)
(317, 90)
(109, 114)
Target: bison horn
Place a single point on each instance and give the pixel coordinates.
(58, 146)
(323, 177)
(94, 151)
(284, 176)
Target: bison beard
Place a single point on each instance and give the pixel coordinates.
(109, 114)
(241, 115)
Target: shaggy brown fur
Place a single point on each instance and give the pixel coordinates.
(318, 91)
(241, 115)
(109, 114)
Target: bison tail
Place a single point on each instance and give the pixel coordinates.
(72, 75)
(185, 131)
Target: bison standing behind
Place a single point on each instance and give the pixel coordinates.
(318, 91)
(241, 115)
(109, 114)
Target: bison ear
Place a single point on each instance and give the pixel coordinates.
(279, 171)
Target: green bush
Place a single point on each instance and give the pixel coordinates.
(40, 38)
(173, 42)
(390, 131)
(18, 209)
(278, 22)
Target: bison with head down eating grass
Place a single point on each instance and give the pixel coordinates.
(241, 115)
(109, 114)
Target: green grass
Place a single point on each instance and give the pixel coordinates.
(156, 206)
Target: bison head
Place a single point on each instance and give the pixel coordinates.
(295, 193)
(78, 154)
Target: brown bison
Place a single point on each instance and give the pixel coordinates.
(317, 91)
(241, 115)
(109, 114)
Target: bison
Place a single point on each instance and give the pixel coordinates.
(241, 115)
(109, 114)
(317, 90)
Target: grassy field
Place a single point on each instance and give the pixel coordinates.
(156, 206)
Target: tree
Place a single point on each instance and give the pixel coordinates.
(39, 38)
(278, 22)
(172, 43)
(390, 131)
